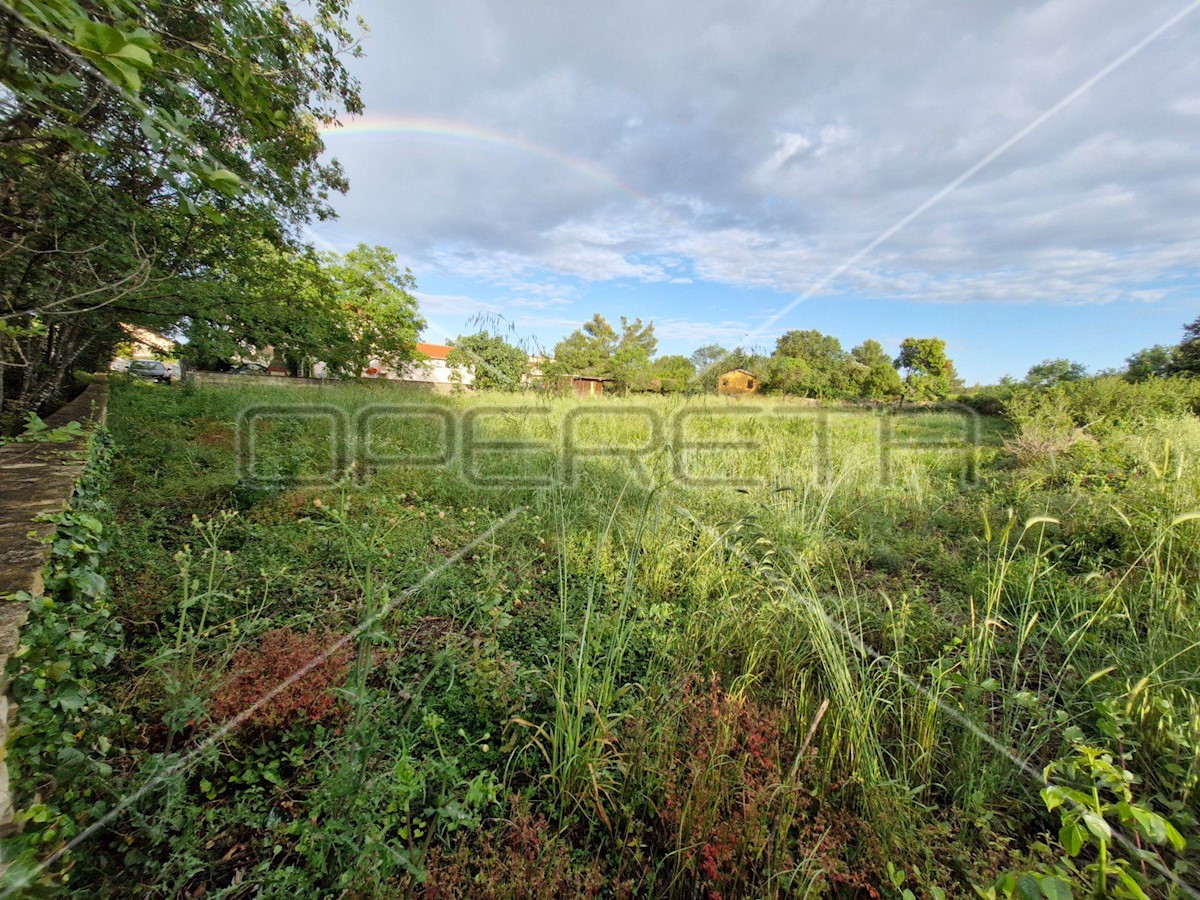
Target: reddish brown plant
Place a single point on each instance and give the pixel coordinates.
(288, 678)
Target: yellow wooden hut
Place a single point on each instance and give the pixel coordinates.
(739, 381)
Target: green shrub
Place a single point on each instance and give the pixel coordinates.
(59, 749)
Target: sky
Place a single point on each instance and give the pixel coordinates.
(735, 170)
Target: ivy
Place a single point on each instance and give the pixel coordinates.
(61, 733)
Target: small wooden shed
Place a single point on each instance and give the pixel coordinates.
(589, 385)
(739, 381)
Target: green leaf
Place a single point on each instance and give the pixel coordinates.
(70, 699)
(120, 71)
(59, 669)
(1173, 836)
(144, 39)
(98, 37)
(1054, 888)
(1097, 826)
(1028, 888)
(1129, 887)
(223, 179)
(1150, 825)
(135, 55)
(1072, 836)
(1054, 796)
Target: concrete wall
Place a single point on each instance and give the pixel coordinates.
(36, 480)
(225, 379)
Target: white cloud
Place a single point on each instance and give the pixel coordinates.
(762, 145)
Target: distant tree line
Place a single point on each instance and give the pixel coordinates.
(805, 363)
(1160, 361)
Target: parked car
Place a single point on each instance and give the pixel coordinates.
(151, 370)
(250, 369)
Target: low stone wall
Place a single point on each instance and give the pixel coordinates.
(36, 481)
(227, 379)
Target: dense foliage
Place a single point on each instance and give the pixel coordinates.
(58, 753)
(842, 680)
(493, 362)
(805, 363)
(348, 311)
(597, 349)
(146, 149)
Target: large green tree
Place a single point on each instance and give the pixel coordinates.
(347, 311)
(630, 363)
(674, 374)
(1153, 362)
(143, 145)
(823, 370)
(874, 376)
(375, 301)
(928, 372)
(598, 349)
(585, 351)
(787, 375)
(493, 362)
(1050, 372)
(1186, 360)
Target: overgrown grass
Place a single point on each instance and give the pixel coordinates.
(841, 677)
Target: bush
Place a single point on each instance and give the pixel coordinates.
(739, 810)
(991, 400)
(256, 673)
(1061, 421)
(1045, 431)
(525, 857)
(58, 751)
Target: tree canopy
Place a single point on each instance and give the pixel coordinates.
(1186, 358)
(810, 364)
(874, 376)
(597, 349)
(493, 362)
(1153, 362)
(144, 148)
(1050, 372)
(928, 372)
(674, 374)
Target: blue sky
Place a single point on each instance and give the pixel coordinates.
(706, 165)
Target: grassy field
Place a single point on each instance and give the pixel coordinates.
(509, 646)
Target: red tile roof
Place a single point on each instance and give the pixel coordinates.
(433, 351)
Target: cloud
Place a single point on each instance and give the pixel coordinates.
(762, 145)
(454, 305)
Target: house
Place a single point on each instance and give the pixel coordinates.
(429, 370)
(536, 372)
(739, 381)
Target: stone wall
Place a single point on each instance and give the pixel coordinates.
(36, 481)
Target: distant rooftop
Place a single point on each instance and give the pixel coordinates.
(433, 351)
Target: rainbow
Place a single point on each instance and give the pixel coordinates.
(446, 129)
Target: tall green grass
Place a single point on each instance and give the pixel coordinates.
(916, 626)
